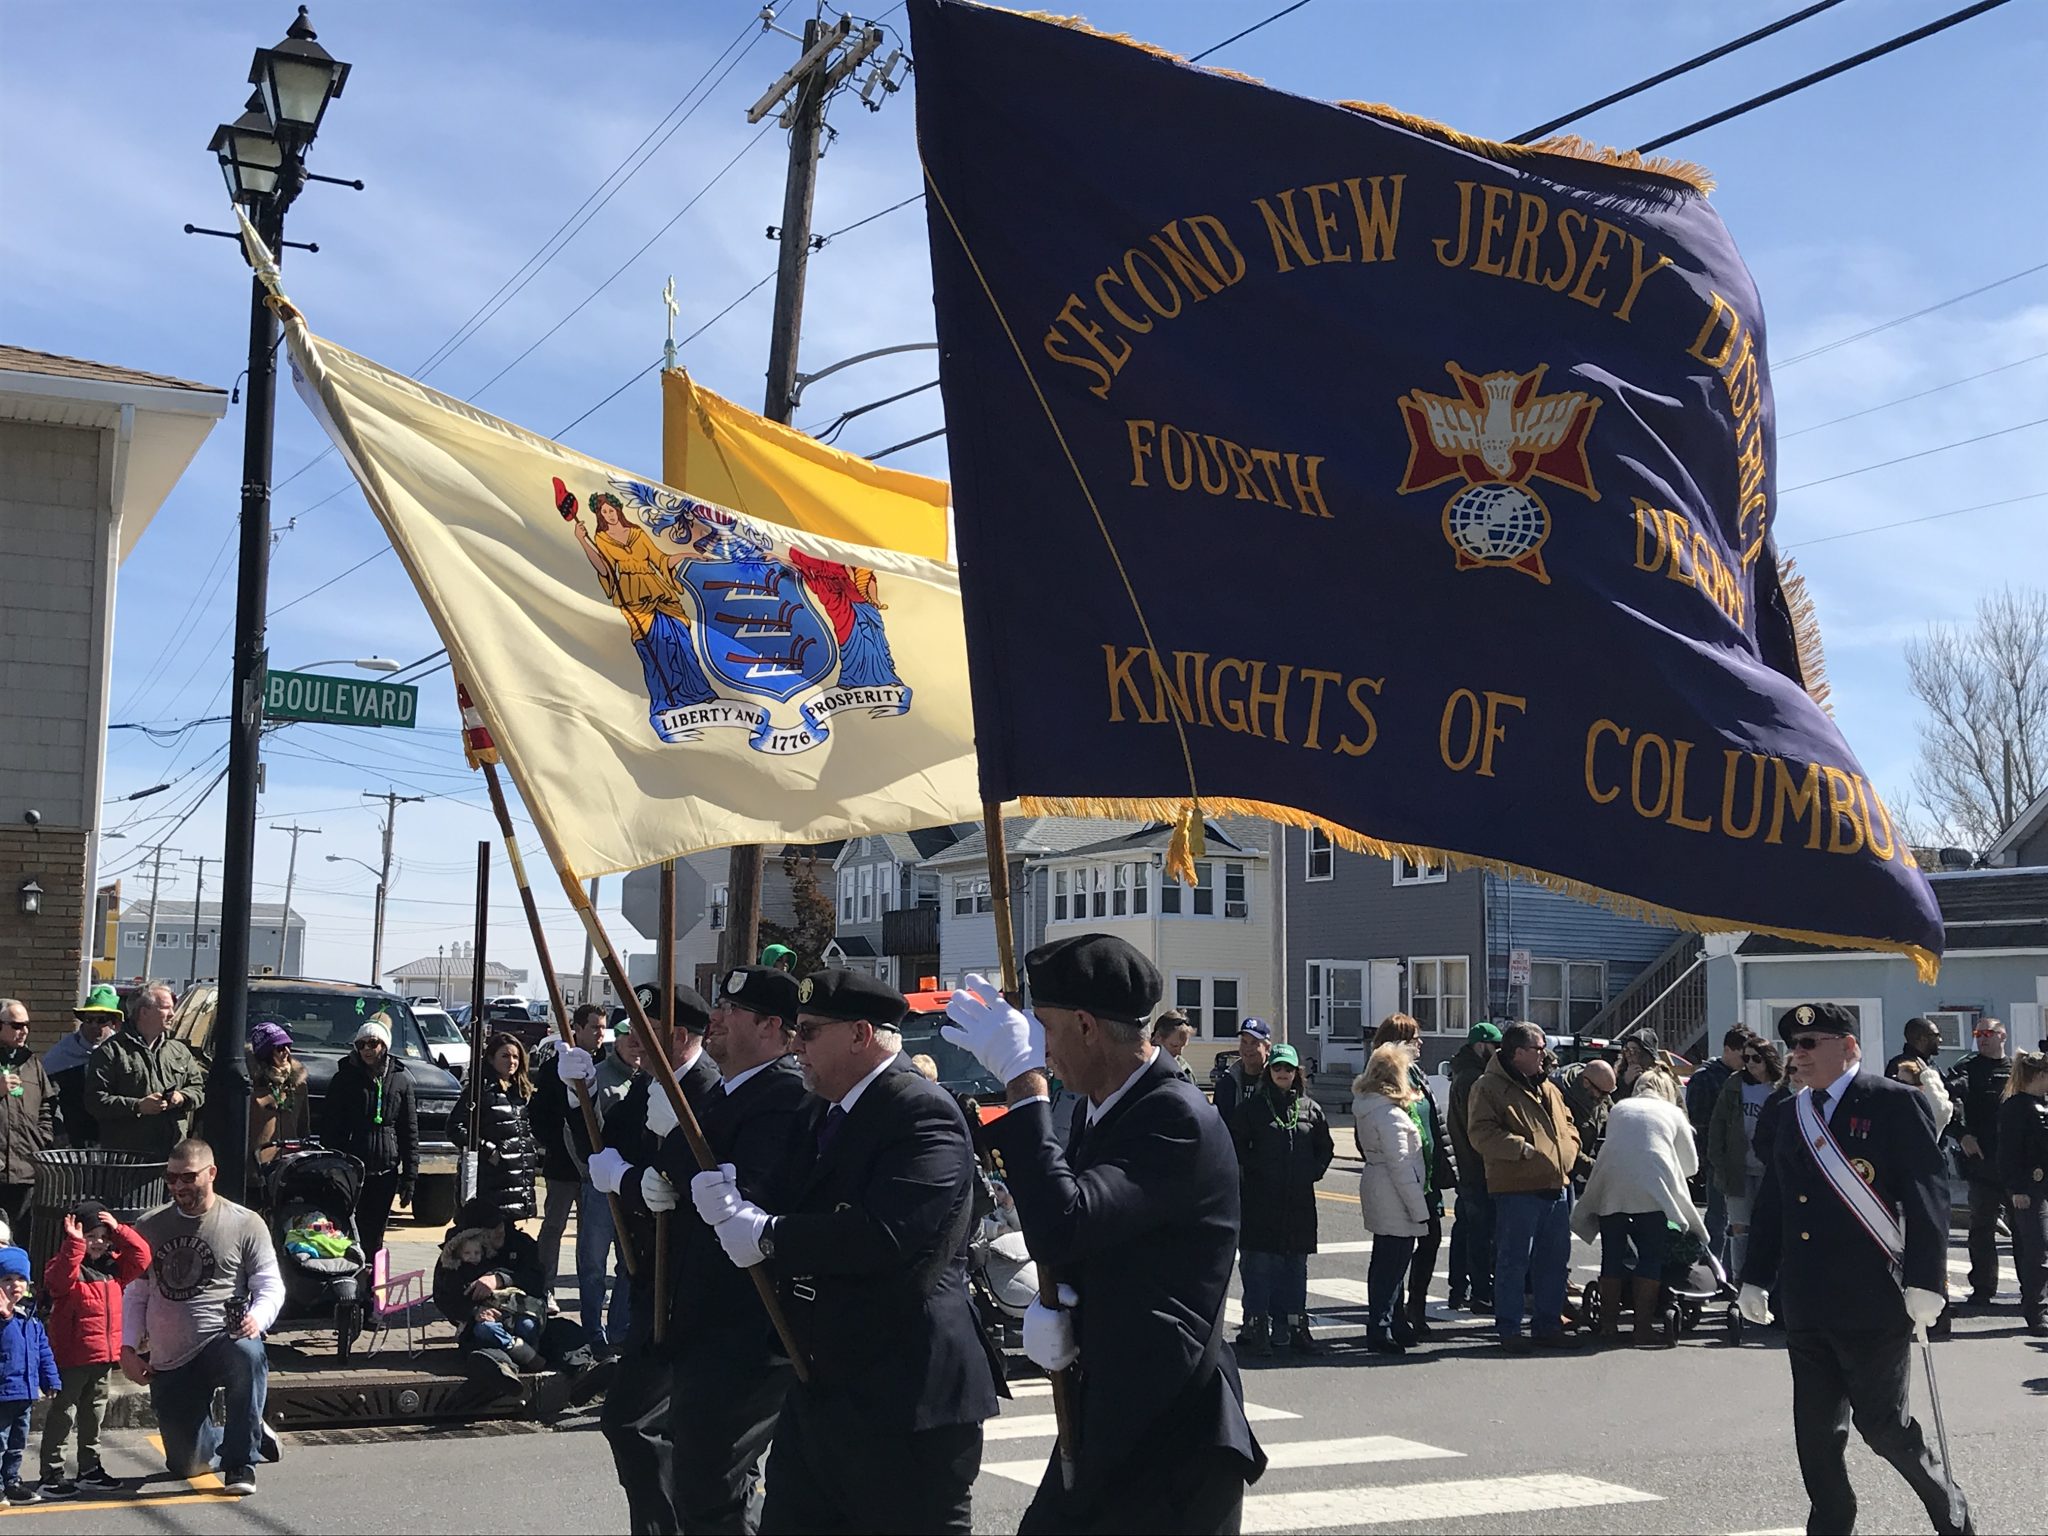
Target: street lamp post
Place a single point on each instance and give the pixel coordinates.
(261, 156)
(376, 933)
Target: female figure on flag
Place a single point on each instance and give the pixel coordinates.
(639, 576)
(850, 597)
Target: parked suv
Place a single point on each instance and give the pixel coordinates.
(322, 1018)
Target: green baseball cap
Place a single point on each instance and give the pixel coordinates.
(1483, 1031)
(101, 999)
(1285, 1056)
(775, 954)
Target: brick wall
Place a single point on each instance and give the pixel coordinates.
(40, 961)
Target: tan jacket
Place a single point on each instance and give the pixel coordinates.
(1525, 1135)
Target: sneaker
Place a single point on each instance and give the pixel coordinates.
(22, 1493)
(96, 1479)
(241, 1480)
(55, 1485)
(1516, 1343)
(272, 1448)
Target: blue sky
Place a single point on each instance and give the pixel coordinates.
(480, 129)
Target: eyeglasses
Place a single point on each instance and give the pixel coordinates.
(1752, 1058)
(808, 1030)
(173, 1176)
(1811, 1042)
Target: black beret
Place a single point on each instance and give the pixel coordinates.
(692, 1012)
(1096, 972)
(760, 989)
(851, 995)
(1816, 1019)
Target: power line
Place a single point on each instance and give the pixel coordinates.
(1917, 395)
(1931, 517)
(1675, 71)
(1248, 31)
(1909, 457)
(330, 581)
(1842, 66)
(1781, 364)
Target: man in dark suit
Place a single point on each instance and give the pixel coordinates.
(638, 1403)
(1138, 1217)
(865, 1230)
(1852, 1223)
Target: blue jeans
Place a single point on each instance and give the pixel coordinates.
(183, 1400)
(1532, 1252)
(595, 1240)
(499, 1335)
(14, 1436)
(1386, 1272)
(1632, 1243)
(1275, 1284)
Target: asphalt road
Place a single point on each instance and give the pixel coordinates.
(1454, 1437)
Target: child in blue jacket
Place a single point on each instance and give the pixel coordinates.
(27, 1371)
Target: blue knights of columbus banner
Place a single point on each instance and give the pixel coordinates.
(1314, 461)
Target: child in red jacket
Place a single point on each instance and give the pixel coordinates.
(82, 1302)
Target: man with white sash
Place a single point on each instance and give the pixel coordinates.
(1851, 1225)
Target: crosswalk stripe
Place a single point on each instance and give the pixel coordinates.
(1359, 1451)
(1026, 1426)
(1409, 1503)
(1031, 1389)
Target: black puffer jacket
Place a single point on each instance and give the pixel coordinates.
(2023, 1145)
(1977, 1087)
(508, 1157)
(1282, 1149)
(372, 1118)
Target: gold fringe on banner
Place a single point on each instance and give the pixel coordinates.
(1567, 146)
(1813, 661)
(1186, 846)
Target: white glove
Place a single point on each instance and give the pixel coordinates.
(608, 1170)
(1754, 1305)
(740, 1234)
(661, 1115)
(1049, 1332)
(656, 1191)
(1924, 1307)
(576, 1066)
(1007, 1042)
(716, 1194)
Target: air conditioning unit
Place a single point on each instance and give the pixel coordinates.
(1237, 909)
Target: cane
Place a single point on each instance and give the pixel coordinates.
(1948, 1469)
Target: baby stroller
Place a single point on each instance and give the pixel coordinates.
(1692, 1279)
(310, 1195)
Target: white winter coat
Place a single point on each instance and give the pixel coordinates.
(1391, 1196)
(1937, 1098)
(1643, 1165)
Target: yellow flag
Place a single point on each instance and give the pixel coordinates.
(659, 674)
(726, 454)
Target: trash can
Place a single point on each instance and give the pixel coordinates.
(128, 1182)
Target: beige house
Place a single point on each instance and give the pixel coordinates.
(88, 453)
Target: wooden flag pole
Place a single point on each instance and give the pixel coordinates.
(1006, 953)
(547, 970)
(666, 970)
(664, 1075)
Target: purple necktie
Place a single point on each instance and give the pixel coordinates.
(828, 1129)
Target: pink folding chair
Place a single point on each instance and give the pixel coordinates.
(396, 1296)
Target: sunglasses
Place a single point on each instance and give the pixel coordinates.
(1811, 1042)
(175, 1177)
(810, 1029)
(1752, 1057)
(23, 1024)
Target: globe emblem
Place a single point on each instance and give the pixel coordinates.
(1495, 523)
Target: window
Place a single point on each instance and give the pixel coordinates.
(1205, 889)
(1141, 889)
(846, 895)
(971, 896)
(1060, 879)
(1098, 891)
(1213, 1004)
(1565, 994)
(1406, 873)
(1120, 892)
(718, 905)
(1958, 1028)
(165, 940)
(1440, 993)
(867, 893)
(885, 889)
(1235, 903)
(1336, 1000)
(1322, 855)
(135, 940)
(1170, 895)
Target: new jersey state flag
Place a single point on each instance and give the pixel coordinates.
(659, 674)
(1313, 461)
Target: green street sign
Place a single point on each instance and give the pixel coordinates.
(339, 700)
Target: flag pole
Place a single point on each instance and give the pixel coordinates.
(666, 969)
(1006, 954)
(554, 985)
(664, 1075)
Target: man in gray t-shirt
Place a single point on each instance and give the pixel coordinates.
(195, 1322)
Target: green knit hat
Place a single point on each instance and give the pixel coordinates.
(100, 1000)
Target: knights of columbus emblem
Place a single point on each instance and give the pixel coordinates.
(1496, 435)
(730, 631)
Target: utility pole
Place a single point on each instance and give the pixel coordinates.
(392, 801)
(291, 867)
(585, 995)
(832, 51)
(156, 875)
(198, 903)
